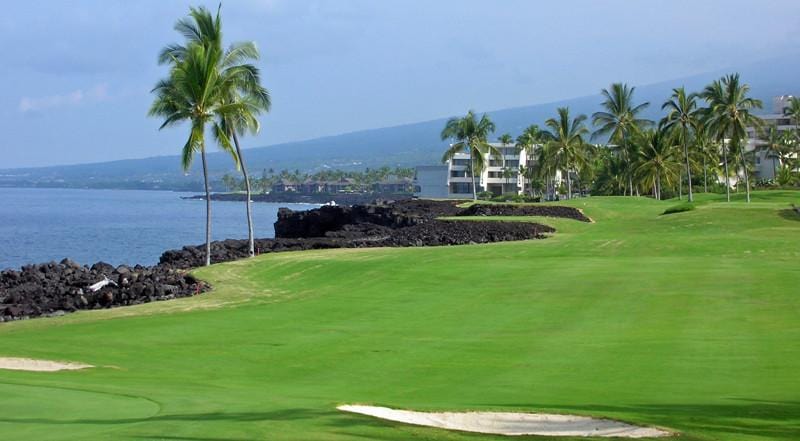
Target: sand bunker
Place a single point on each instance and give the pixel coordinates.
(28, 364)
(508, 423)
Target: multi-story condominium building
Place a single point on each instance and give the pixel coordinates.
(499, 176)
(764, 164)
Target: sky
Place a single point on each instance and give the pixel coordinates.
(76, 75)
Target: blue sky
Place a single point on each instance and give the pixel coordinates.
(76, 75)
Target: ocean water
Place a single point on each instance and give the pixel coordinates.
(115, 226)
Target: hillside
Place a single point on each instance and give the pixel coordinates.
(405, 145)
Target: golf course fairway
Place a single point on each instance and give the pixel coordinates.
(688, 322)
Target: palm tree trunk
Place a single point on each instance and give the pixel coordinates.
(774, 169)
(680, 185)
(472, 172)
(251, 241)
(727, 175)
(569, 185)
(705, 175)
(658, 186)
(208, 206)
(688, 168)
(746, 177)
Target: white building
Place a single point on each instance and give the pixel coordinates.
(499, 176)
(430, 182)
(764, 165)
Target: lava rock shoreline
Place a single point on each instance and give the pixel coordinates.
(52, 288)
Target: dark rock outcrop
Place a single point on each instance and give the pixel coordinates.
(55, 288)
(524, 210)
(403, 223)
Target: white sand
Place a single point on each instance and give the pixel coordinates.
(28, 364)
(508, 423)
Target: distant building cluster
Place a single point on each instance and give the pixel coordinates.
(391, 185)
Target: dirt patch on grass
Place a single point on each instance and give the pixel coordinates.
(29, 364)
(512, 423)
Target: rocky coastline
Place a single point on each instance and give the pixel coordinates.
(51, 289)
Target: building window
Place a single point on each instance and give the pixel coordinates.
(463, 162)
(460, 188)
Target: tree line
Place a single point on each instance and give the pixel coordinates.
(702, 134)
(362, 180)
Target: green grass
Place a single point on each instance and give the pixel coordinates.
(680, 208)
(689, 321)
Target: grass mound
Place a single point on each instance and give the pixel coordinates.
(687, 323)
(680, 208)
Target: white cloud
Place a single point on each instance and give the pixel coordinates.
(98, 92)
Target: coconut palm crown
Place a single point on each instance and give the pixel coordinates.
(470, 135)
(728, 116)
(682, 119)
(566, 148)
(620, 120)
(203, 29)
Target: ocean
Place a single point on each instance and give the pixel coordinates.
(116, 226)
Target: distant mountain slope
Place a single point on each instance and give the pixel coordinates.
(405, 145)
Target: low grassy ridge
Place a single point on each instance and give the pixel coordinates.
(689, 321)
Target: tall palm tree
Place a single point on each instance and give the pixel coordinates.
(528, 142)
(566, 148)
(620, 121)
(471, 136)
(729, 115)
(682, 117)
(705, 150)
(196, 92)
(529, 174)
(658, 162)
(202, 28)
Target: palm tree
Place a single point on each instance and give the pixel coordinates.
(206, 30)
(658, 162)
(196, 92)
(471, 137)
(528, 141)
(620, 121)
(773, 148)
(508, 173)
(728, 115)
(793, 112)
(682, 117)
(566, 148)
(505, 139)
(528, 173)
(705, 151)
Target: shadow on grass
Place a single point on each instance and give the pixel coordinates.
(277, 415)
(779, 420)
(188, 438)
(789, 214)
